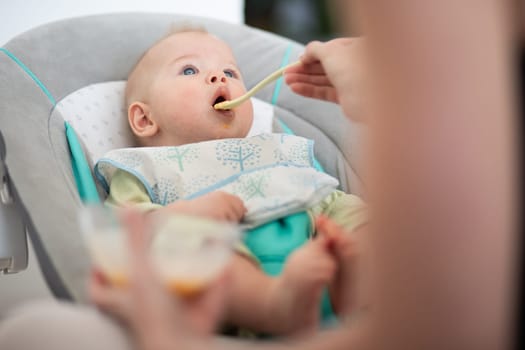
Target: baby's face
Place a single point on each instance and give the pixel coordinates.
(194, 71)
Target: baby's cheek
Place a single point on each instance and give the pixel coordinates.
(247, 115)
(189, 101)
(189, 96)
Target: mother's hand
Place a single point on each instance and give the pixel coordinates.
(158, 319)
(331, 71)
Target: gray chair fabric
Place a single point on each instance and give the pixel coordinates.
(41, 66)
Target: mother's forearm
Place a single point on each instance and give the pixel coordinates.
(440, 174)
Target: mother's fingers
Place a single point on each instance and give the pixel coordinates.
(139, 234)
(320, 80)
(113, 300)
(135, 226)
(320, 92)
(312, 68)
(327, 227)
(316, 50)
(313, 52)
(205, 311)
(344, 242)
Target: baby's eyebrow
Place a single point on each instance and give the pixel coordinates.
(183, 57)
(234, 65)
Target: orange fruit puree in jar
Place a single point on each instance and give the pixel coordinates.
(186, 288)
(118, 279)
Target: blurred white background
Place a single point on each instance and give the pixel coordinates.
(19, 16)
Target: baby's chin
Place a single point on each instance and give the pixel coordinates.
(229, 132)
(232, 130)
(220, 132)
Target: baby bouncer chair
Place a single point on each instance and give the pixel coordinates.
(61, 107)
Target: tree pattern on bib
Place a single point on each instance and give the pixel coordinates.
(252, 186)
(181, 155)
(165, 191)
(239, 154)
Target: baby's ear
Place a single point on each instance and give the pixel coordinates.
(140, 121)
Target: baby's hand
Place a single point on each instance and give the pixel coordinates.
(311, 265)
(216, 205)
(299, 288)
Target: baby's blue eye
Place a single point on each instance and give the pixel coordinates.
(229, 73)
(189, 71)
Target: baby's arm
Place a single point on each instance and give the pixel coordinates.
(216, 205)
(126, 189)
(308, 270)
(286, 304)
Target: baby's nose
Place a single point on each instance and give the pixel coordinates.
(215, 78)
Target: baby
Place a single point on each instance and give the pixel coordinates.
(170, 95)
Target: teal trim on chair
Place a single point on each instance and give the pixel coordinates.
(81, 171)
(85, 183)
(275, 96)
(277, 89)
(30, 73)
(279, 82)
(285, 127)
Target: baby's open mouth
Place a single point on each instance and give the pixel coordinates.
(219, 100)
(221, 95)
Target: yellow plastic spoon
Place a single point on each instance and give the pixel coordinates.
(235, 102)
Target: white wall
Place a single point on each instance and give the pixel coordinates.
(18, 16)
